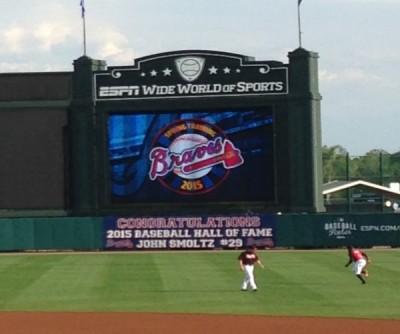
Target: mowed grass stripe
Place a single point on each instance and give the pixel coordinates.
(201, 279)
(17, 274)
(299, 281)
(313, 283)
(341, 294)
(56, 282)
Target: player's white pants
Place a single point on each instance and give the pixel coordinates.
(358, 266)
(248, 277)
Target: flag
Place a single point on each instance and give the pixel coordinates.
(83, 8)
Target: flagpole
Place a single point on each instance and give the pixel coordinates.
(84, 37)
(299, 22)
(84, 26)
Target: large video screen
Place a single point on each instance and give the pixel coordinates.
(194, 156)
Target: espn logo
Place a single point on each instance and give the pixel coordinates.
(116, 91)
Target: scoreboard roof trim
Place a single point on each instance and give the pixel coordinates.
(244, 58)
(172, 74)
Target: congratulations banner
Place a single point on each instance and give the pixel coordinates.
(191, 232)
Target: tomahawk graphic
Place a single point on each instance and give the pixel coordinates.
(230, 158)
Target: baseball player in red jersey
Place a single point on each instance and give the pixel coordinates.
(247, 259)
(359, 260)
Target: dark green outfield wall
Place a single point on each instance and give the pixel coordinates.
(50, 233)
(333, 230)
(301, 231)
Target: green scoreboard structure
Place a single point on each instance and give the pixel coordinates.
(195, 132)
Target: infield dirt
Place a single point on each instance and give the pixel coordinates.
(141, 323)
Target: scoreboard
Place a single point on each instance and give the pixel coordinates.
(198, 132)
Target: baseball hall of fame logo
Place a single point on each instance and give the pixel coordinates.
(192, 156)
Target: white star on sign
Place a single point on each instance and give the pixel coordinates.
(167, 72)
(213, 70)
(153, 73)
(227, 70)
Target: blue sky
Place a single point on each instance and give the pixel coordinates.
(357, 42)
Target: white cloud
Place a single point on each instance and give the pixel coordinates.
(13, 39)
(14, 67)
(357, 74)
(39, 37)
(114, 47)
(351, 74)
(381, 54)
(125, 57)
(326, 76)
(49, 34)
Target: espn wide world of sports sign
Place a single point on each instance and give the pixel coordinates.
(197, 232)
(192, 74)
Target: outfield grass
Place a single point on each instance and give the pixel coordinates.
(306, 283)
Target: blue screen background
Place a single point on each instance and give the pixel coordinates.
(131, 136)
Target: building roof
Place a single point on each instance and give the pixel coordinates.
(334, 186)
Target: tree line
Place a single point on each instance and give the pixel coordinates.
(376, 166)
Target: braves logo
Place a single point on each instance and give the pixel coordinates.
(192, 157)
